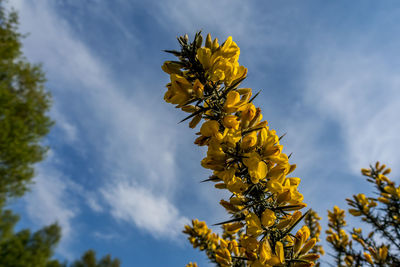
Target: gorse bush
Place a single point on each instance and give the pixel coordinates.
(311, 219)
(381, 212)
(246, 159)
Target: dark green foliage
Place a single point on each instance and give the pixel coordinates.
(89, 260)
(23, 107)
(23, 123)
(24, 248)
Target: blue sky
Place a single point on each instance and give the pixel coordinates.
(122, 177)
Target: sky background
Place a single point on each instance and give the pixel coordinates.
(122, 177)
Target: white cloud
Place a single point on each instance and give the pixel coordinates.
(131, 136)
(353, 86)
(359, 90)
(93, 202)
(106, 236)
(51, 200)
(69, 130)
(47, 201)
(192, 14)
(153, 213)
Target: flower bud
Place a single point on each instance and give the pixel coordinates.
(208, 43)
(199, 41)
(193, 123)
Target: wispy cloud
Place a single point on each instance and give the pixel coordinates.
(53, 199)
(68, 129)
(92, 200)
(188, 15)
(135, 204)
(106, 236)
(359, 90)
(124, 130)
(352, 84)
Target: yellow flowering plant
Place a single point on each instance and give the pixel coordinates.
(311, 219)
(381, 213)
(245, 158)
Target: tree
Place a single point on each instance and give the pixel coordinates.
(381, 213)
(246, 159)
(23, 106)
(23, 123)
(28, 249)
(23, 248)
(89, 260)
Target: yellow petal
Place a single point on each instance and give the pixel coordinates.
(265, 251)
(268, 218)
(231, 122)
(209, 128)
(279, 251)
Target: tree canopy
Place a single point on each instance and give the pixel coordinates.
(24, 122)
(24, 248)
(24, 104)
(89, 260)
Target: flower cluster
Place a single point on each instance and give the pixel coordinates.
(217, 249)
(383, 219)
(312, 221)
(246, 159)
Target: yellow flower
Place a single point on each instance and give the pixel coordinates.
(257, 168)
(248, 113)
(230, 207)
(265, 251)
(355, 212)
(232, 228)
(383, 251)
(223, 256)
(284, 197)
(309, 245)
(204, 56)
(172, 67)
(210, 128)
(236, 185)
(253, 225)
(231, 137)
(258, 263)
(221, 62)
(279, 252)
(368, 258)
(231, 122)
(216, 157)
(198, 88)
(234, 247)
(230, 49)
(178, 90)
(249, 243)
(274, 186)
(250, 140)
(232, 101)
(268, 218)
(226, 175)
(279, 256)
